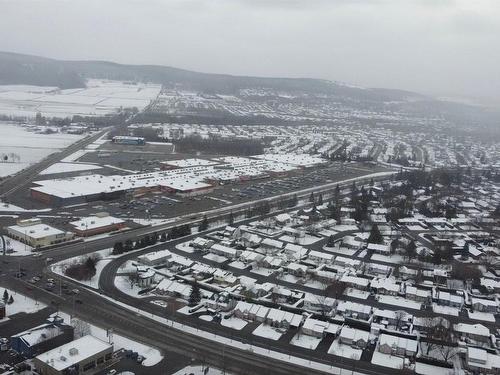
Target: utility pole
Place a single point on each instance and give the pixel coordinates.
(4, 251)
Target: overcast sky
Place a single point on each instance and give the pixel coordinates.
(442, 47)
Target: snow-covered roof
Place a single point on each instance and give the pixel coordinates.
(73, 352)
(398, 342)
(473, 329)
(93, 222)
(37, 231)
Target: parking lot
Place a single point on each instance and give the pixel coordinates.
(156, 205)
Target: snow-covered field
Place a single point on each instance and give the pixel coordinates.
(31, 147)
(21, 303)
(69, 167)
(100, 97)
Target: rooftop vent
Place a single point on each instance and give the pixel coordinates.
(73, 351)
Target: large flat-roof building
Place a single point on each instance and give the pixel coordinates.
(187, 177)
(87, 356)
(36, 234)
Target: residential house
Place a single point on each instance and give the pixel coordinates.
(319, 328)
(385, 286)
(394, 345)
(476, 332)
(354, 310)
(484, 305)
(354, 337)
(270, 246)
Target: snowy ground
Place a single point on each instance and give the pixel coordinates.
(395, 259)
(341, 250)
(30, 146)
(345, 351)
(387, 360)
(234, 323)
(21, 304)
(124, 285)
(262, 271)
(105, 257)
(238, 264)
(100, 97)
(152, 355)
(305, 341)
(69, 167)
(267, 331)
(17, 248)
(425, 369)
(215, 258)
(306, 240)
(184, 246)
(11, 208)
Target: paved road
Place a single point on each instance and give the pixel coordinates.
(103, 312)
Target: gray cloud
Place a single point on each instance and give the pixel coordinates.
(442, 47)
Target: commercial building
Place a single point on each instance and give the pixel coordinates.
(100, 223)
(126, 140)
(188, 177)
(36, 234)
(86, 355)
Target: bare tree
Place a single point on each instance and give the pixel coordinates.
(81, 328)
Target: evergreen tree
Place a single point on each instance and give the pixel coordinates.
(11, 300)
(320, 199)
(128, 245)
(118, 248)
(204, 224)
(311, 197)
(337, 195)
(194, 295)
(375, 235)
(154, 238)
(331, 241)
(5, 296)
(411, 250)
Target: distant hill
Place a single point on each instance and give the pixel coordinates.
(34, 70)
(39, 71)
